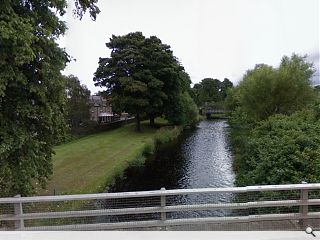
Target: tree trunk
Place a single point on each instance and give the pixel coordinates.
(138, 128)
(152, 121)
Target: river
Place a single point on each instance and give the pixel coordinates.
(200, 158)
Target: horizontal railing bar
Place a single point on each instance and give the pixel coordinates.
(177, 208)
(175, 222)
(284, 203)
(100, 196)
(86, 213)
(315, 186)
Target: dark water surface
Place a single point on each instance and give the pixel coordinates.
(200, 158)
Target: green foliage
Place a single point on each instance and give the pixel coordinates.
(167, 134)
(31, 91)
(182, 111)
(210, 91)
(77, 104)
(143, 77)
(265, 91)
(125, 76)
(283, 149)
(138, 161)
(232, 100)
(275, 120)
(148, 149)
(240, 119)
(86, 5)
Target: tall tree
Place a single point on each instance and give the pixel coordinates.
(265, 90)
(77, 105)
(158, 59)
(31, 89)
(211, 91)
(225, 86)
(180, 109)
(123, 74)
(141, 76)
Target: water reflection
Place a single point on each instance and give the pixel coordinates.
(201, 158)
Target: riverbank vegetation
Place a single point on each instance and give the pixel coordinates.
(90, 164)
(275, 124)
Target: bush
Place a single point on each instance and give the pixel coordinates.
(167, 134)
(138, 161)
(282, 150)
(148, 149)
(183, 111)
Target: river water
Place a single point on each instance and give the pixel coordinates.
(200, 158)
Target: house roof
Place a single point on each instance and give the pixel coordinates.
(98, 101)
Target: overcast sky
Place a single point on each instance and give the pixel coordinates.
(211, 38)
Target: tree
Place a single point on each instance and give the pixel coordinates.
(164, 80)
(141, 76)
(31, 90)
(282, 150)
(225, 86)
(211, 91)
(123, 74)
(265, 90)
(180, 109)
(276, 124)
(77, 105)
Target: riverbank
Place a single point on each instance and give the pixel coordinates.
(89, 164)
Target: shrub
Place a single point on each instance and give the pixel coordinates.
(282, 149)
(167, 134)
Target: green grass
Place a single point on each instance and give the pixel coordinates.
(89, 164)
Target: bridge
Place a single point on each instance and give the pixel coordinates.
(208, 111)
(268, 207)
(214, 111)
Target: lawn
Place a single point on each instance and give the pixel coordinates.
(86, 165)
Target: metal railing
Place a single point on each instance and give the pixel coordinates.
(298, 204)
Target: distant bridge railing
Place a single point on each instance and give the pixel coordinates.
(214, 111)
(295, 205)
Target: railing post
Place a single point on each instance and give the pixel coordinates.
(303, 209)
(18, 211)
(163, 204)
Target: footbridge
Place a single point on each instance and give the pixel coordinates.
(208, 111)
(269, 207)
(214, 111)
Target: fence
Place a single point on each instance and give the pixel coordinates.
(237, 208)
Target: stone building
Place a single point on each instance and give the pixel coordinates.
(100, 110)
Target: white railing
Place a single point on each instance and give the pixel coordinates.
(23, 213)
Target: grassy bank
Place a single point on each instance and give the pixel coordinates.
(89, 164)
